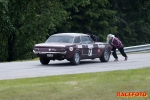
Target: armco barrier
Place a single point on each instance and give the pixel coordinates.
(137, 48)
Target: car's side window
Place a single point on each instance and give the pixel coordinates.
(86, 40)
(77, 40)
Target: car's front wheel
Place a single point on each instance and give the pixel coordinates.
(44, 61)
(105, 56)
(75, 60)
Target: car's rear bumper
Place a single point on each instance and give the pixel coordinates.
(40, 52)
(55, 55)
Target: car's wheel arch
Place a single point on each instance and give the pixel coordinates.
(78, 51)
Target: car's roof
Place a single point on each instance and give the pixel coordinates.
(71, 34)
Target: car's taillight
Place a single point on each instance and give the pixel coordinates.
(36, 49)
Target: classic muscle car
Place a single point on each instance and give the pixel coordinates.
(73, 47)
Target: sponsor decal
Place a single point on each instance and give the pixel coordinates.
(79, 46)
(131, 94)
(90, 52)
(101, 46)
(98, 50)
(90, 46)
(71, 48)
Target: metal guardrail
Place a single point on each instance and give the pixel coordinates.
(138, 48)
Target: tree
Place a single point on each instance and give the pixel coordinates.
(28, 23)
(89, 16)
(133, 20)
(5, 29)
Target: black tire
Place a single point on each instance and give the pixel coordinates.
(44, 61)
(105, 56)
(75, 60)
(68, 59)
(93, 59)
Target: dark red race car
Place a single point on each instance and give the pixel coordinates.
(73, 47)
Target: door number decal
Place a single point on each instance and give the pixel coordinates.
(90, 52)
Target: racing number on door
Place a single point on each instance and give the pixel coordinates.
(90, 52)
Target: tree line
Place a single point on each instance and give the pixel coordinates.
(24, 23)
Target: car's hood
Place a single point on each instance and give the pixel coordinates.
(53, 44)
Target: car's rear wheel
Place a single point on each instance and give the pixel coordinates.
(105, 56)
(44, 61)
(75, 60)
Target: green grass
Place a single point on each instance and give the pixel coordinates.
(91, 86)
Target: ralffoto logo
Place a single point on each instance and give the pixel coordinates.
(131, 94)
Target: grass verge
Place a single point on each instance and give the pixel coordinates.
(91, 86)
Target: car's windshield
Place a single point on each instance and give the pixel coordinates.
(60, 39)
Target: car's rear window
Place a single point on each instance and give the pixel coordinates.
(60, 39)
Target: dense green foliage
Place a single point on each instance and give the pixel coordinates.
(133, 20)
(24, 23)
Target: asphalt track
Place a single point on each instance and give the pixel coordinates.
(25, 69)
